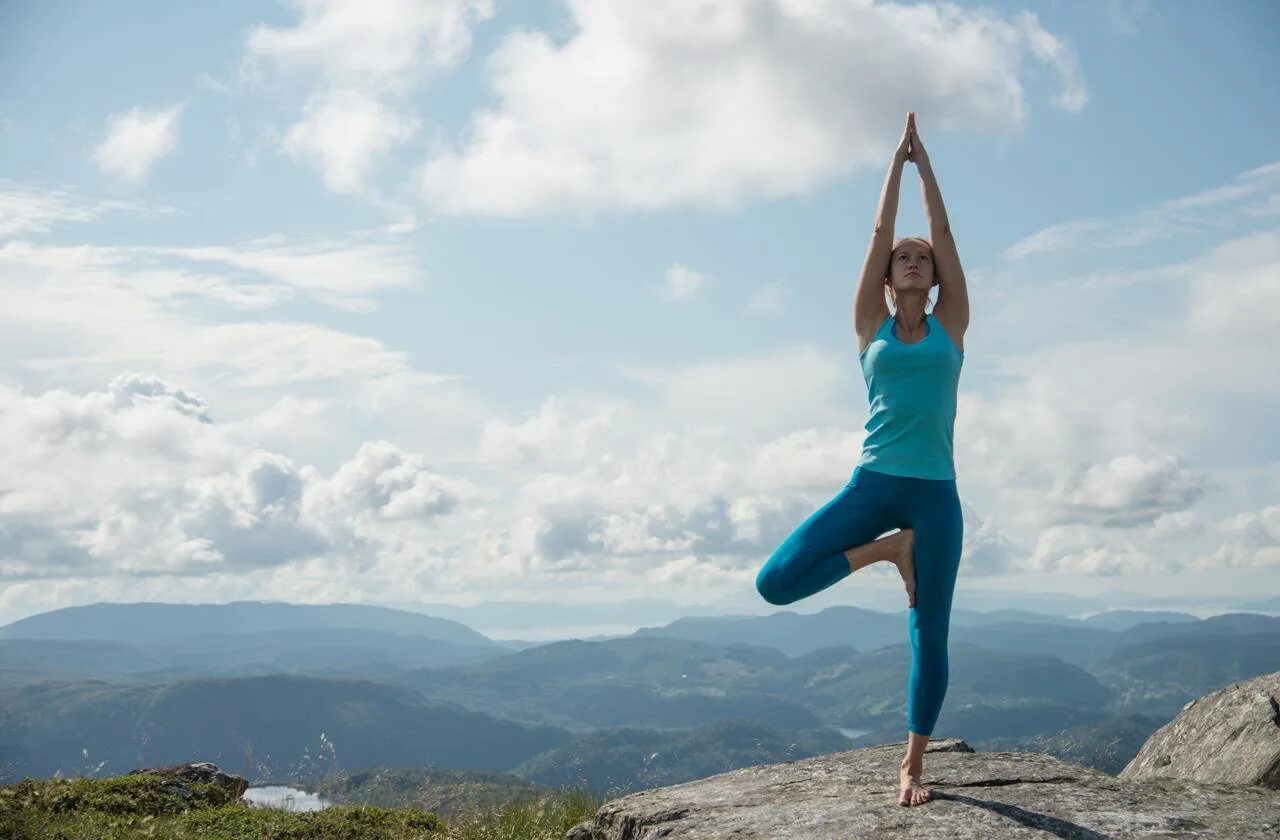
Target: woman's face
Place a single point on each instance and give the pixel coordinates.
(911, 267)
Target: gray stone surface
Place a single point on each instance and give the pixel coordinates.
(204, 772)
(975, 795)
(1230, 735)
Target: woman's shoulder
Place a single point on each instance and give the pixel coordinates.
(954, 330)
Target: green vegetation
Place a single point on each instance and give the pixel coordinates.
(126, 807)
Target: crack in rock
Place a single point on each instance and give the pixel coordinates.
(1002, 782)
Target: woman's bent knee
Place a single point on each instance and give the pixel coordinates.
(767, 586)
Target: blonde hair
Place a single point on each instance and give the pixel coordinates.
(892, 298)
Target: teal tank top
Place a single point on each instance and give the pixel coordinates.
(911, 389)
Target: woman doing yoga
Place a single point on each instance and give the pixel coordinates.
(905, 477)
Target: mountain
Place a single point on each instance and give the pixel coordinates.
(660, 682)
(792, 633)
(349, 652)
(258, 725)
(1124, 619)
(1079, 641)
(514, 616)
(1225, 624)
(148, 622)
(1159, 676)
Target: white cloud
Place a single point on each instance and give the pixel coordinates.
(670, 102)
(137, 140)
(1253, 542)
(343, 273)
(804, 459)
(1083, 550)
(762, 395)
(681, 283)
(363, 58)
(1125, 491)
(986, 549)
(25, 209)
(344, 133)
(551, 435)
(1184, 215)
(377, 44)
(1236, 291)
(1096, 456)
(1176, 524)
(136, 479)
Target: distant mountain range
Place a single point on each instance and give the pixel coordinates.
(252, 685)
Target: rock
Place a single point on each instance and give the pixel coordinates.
(854, 793)
(1231, 735)
(200, 771)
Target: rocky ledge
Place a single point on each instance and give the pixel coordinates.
(1230, 735)
(988, 795)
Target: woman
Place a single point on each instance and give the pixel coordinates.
(905, 477)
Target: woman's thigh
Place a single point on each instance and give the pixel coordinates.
(858, 514)
(932, 509)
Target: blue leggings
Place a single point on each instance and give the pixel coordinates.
(812, 558)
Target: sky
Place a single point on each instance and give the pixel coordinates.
(470, 300)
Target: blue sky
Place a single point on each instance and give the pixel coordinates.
(463, 300)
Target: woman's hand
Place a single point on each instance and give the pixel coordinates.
(916, 153)
(903, 152)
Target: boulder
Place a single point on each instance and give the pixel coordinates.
(1231, 735)
(200, 771)
(854, 793)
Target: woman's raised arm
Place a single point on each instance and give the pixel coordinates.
(953, 293)
(869, 306)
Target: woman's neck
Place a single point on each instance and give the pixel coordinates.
(909, 322)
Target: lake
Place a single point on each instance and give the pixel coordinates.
(284, 798)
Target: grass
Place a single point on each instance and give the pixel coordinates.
(127, 807)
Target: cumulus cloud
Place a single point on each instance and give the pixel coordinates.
(669, 102)
(135, 141)
(1182, 523)
(362, 59)
(1126, 491)
(371, 43)
(344, 133)
(1235, 291)
(79, 315)
(1083, 550)
(1121, 405)
(137, 480)
(561, 431)
(1253, 542)
(804, 458)
(760, 395)
(986, 550)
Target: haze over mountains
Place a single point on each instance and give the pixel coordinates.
(552, 620)
(253, 685)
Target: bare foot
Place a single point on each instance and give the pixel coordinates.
(912, 792)
(905, 561)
